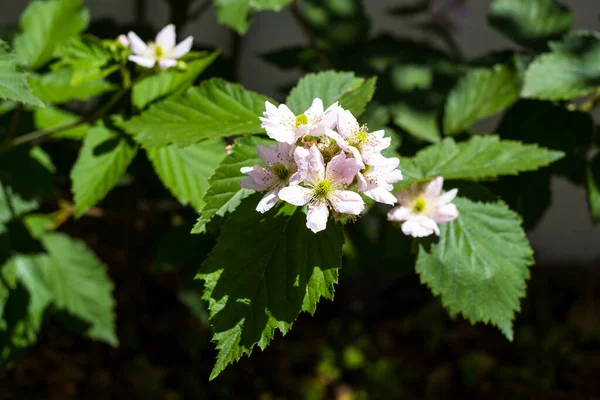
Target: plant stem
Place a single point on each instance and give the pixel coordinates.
(591, 103)
(41, 133)
(312, 40)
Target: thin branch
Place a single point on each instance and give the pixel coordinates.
(312, 40)
(41, 133)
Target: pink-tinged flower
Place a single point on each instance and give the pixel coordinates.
(422, 207)
(162, 51)
(282, 125)
(376, 181)
(123, 40)
(324, 187)
(277, 174)
(356, 140)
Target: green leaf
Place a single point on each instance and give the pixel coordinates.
(87, 56)
(329, 86)
(237, 13)
(27, 170)
(13, 82)
(57, 87)
(572, 70)
(12, 205)
(224, 193)
(480, 94)
(421, 124)
(593, 188)
(52, 117)
(212, 110)
(356, 100)
(185, 171)
(169, 82)
(22, 304)
(531, 23)
(481, 157)
(103, 158)
(80, 285)
(255, 291)
(480, 264)
(44, 26)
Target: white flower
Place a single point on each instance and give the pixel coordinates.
(280, 167)
(376, 180)
(162, 51)
(282, 125)
(356, 140)
(422, 207)
(324, 186)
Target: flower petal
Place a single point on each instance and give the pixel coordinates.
(296, 195)
(420, 226)
(147, 62)
(182, 48)
(166, 38)
(399, 214)
(137, 45)
(315, 111)
(448, 196)
(347, 202)
(380, 195)
(167, 63)
(434, 188)
(446, 213)
(279, 123)
(316, 217)
(267, 154)
(342, 169)
(268, 201)
(346, 123)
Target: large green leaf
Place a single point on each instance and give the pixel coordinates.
(225, 193)
(532, 22)
(57, 87)
(480, 94)
(237, 14)
(87, 56)
(481, 157)
(79, 284)
(264, 271)
(422, 124)
(13, 82)
(169, 82)
(52, 117)
(329, 86)
(356, 100)
(103, 158)
(593, 187)
(212, 110)
(46, 25)
(571, 70)
(480, 264)
(185, 170)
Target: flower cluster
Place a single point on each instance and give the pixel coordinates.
(162, 52)
(323, 159)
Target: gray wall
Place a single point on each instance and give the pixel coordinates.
(565, 234)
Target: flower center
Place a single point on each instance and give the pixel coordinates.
(358, 139)
(301, 119)
(322, 189)
(158, 51)
(419, 206)
(280, 171)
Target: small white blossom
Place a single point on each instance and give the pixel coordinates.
(162, 51)
(376, 180)
(123, 40)
(324, 186)
(282, 125)
(422, 207)
(280, 167)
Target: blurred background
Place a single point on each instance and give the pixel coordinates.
(385, 336)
